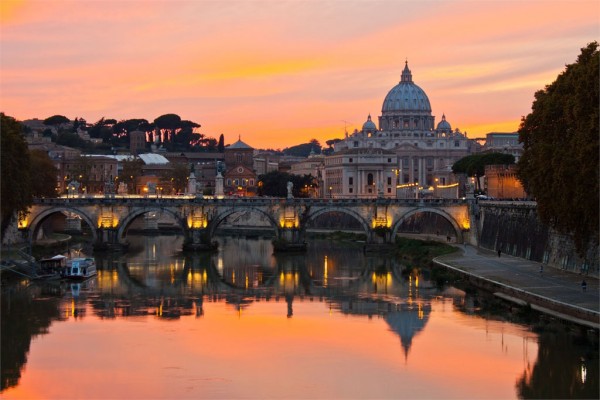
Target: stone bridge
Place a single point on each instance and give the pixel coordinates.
(198, 218)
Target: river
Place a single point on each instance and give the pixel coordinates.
(242, 323)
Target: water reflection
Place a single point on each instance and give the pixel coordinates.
(359, 310)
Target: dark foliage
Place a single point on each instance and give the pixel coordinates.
(15, 188)
(559, 166)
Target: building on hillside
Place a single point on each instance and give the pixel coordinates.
(502, 182)
(422, 152)
(137, 142)
(502, 142)
(240, 179)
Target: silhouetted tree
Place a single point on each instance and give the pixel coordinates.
(43, 174)
(221, 145)
(15, 182)
(559, 165)
(474, 165)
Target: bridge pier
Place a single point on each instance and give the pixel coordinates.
(108, 239)
(289, 239)
(199, 239)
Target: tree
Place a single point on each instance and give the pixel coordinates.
(56, 120)
(474, 165)
(559, 165)
(177, 177)
(274, 184)
(221, 145)
(43, 174)
(15, 183)
(131, 170)
(304, 150)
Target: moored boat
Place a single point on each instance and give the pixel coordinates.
(80, 268)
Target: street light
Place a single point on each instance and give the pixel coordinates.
(330, 193)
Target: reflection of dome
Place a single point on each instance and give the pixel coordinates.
(408, 322)
(406, 96)
(369, 125)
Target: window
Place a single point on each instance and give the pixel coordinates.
(456, 143)
(389, 190)
(350, 160)
(389, 160)
(389, 180)
(350, 190)
(355, 143)
(350, 181)
(370, 180)
(236, 182)
(228, 182)
(251, 182)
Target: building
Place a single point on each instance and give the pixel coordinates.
(421, 152)
(240, 179)
(361, 172)
(502, 182)
(137, 142)
(502, 142)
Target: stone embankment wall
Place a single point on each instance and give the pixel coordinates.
(515, 229)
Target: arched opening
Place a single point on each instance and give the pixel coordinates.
(433, 223)
(336, 219)
(151, 221)
(249, 222)
(370, 179)
(59, 226)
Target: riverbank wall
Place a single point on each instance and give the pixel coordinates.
(525, 298)
(514, 228)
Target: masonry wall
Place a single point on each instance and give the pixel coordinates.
(515, 229)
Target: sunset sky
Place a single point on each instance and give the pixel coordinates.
(281, 73)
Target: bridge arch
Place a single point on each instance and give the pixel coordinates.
(324, 210)
(442, 213)
(37, 220)
(125, 222)
(222, 215)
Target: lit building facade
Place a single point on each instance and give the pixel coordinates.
(408, 148)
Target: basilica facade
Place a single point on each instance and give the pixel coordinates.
(407, 155)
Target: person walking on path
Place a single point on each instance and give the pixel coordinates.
(499, 252)
(541, 268)
(583, 285)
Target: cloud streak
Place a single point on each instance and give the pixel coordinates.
(281, 73)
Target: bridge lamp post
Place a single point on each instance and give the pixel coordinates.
(330, 192)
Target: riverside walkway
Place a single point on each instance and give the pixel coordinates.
(554, 292)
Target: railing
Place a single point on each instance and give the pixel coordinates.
(256, 201)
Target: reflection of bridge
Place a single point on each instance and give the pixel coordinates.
(110, 218)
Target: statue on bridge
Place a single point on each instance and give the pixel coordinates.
(290, 186)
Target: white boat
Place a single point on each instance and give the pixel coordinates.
(80, 268)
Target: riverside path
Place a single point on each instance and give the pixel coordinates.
(552, 291)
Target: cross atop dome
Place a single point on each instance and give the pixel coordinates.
(406, 74)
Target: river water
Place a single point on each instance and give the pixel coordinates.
(332, 323)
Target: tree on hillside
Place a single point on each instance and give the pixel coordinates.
(56, 120)
(102, 130)
(474, 165)
(15, 188)
(559, 166)
(43, 174)
(303, 150)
